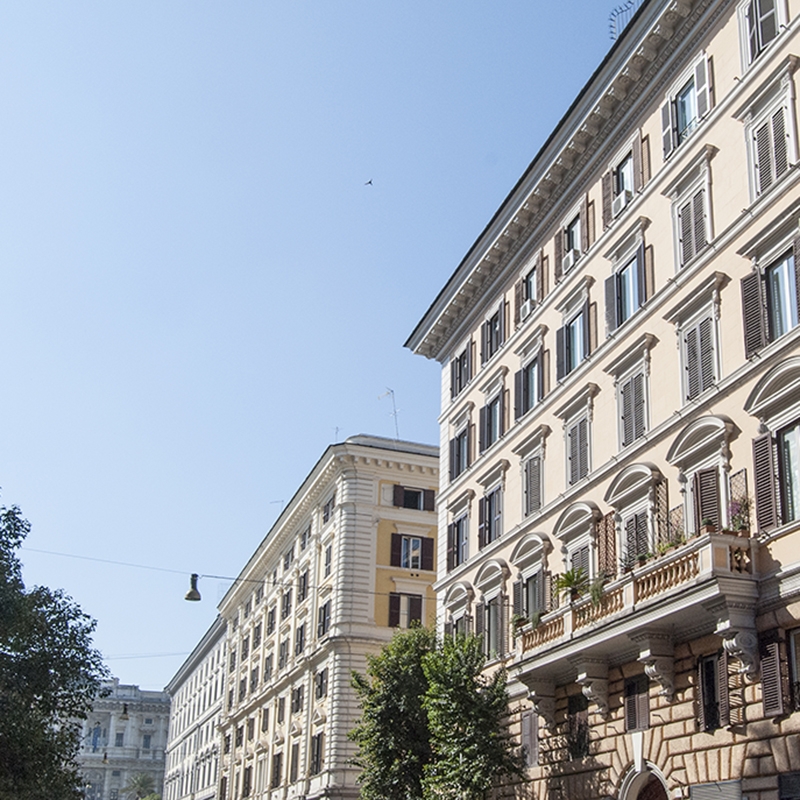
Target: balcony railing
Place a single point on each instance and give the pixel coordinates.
(703, 559)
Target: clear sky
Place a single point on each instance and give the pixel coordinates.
(200, 293)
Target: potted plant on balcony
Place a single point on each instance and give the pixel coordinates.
(596, 588)
(708, 526)
(739, 514)
(573, 582)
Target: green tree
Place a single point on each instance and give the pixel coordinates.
(140, 786)
(392, 734)
(49, 677)
(466, 711)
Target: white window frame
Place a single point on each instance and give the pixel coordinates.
(572, 217)
(781, 18)
(579, 407)
(699, 66)
(643, 369)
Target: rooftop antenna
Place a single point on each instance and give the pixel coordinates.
(620, 17)
(390, 393)
(336, 433)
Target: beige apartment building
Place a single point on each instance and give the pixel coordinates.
(350, 559)
(620, 421)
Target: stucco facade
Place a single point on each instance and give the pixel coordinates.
(350, 559)
(620, 372)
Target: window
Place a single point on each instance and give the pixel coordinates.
(247, 781)
(264, 720)
(239, 736)
(281, 709)
(404, 609)
(257, 635)
(288, 558)
(572, 341)
(146, 741)
(759, 24)
(300, 639)
(286, 604)
(324, 618)
(328, 561)
(232, 661)
(623, 177)
(532, 477)
(458, 541)
(459, 452)
(277, 769)
(688, 103)
(242, 689)
(577, 432)
(283, 653)
(327, 509)
(530, 595)
(419, 499)
(118, 742)
(305, 538)
(691, 226)
(789, 786)
(490, 513)
(577, 726)
(528, 386)
(302, 587)
(271, 621)
(412, 552)
(268, 667)
(148, 721)
(315, 766)
(245, 647)
(226, 744)
(297, 700)
(625, 291)
(529, 289)
(631, 403)
(493, 333)
(254, 679)
(637, 703)
(321, 684)
(492, 421)
(259, 594)
(698, 352)
(712, 703)
(251, 729)
(572, 239)
(294, 762)
(490, 624)
(461, 371)
(776, 464)
(248, 606)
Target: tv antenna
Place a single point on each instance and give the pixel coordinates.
(390, 393)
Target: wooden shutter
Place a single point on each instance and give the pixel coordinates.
(414, 608)
(643, 703)
(702, 87)
(753, 316)
(630, 537)
(453, 458)
(481, 522)
(484, 342)
(612, 309)
(699, 697)
(561, 353)
(502, 317)
(631, 706)
(497, 522)
(541, 283)
(771, 683)
(661, 511)
(501, 427)
(533, 484)
(607, 545)
(427, 554)
(583, 446)
(765, 482)
(528, 738)
(636, 157)
(780, 143)
(580, 559)
(482, 419)
(540, 375)
(583, 215)
(428, 500)
(706, 497)
(518, 291)
(558, 250)
(637, 391)
(762, 152)
(642, 540)
(470, 360)
(796, 254)
(641, 277)
(626, 401)
(706, 345)
(453, 391)
(397, 550)
(399, 495)
(608, 196)
(448, 629)
(516, 594)
(573, 454)
(519, 402)
(723, 690)
(451, 546)
(686, 233)
(587, 333)
(692, 344)
(394, 610)
(470, 445)
(668, 128)
(480, 616)
(699, 221)
(549, 591)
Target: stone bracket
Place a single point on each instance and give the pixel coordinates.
(656, 652)
(593, 679)
(542, 693)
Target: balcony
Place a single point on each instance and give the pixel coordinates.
(708, 585)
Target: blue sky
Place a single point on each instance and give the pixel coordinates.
(197, 287)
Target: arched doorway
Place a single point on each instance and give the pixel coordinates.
(652, 790)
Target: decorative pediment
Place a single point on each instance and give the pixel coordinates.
(531, 549)
(700, 437)
(575, 519)
(776, 390)
(459, 594)
(491, 574)
(633, 482)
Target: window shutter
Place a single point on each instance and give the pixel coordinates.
(452, 378)
(518, 287)
(641, 277)
(583, 215)
(394, 610)
(630, 537)
(780, 142)
(484, 342)
(502, 316)
(451, 546)
(540, 375)
(583, 444)
(796, 254)
(637, 390)
(702, 87)
(607, 545)
(427, 554)
(608, 191)
(550, 593)
(692, 363)
(561, 353)
(397, 550)
(502, 624)
(519, 402)
(706, 497)
(528, 738)
(414, 608)
(558, 249)
(399, 495)
(480, 614)
(699, 221)
(753, 318)
(540, 278)
(765, 482)
(580, 559)
(668, 128)
(481, 523)
(428, 500)
(482, 417)
(502, 422)
(632, 705)
(699, 697)
(533, 484)
(448, 629)
(636, 156)
(643, 704)
(587, 339)
(706, 344)
(611, 303)
(722, 689)
(771, 683)
(642, 539)
(573, 455)
(517, 598)
(762, 151)
(453, 458)
(470, 359)
(470, 440)
(626, 401)
(498, 513)
(686, 233)
(661, 511)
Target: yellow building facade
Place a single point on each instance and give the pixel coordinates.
(351, 559)
(619, 511)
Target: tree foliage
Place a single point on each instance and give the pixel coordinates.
(392, 734)
(432, 725)
(49, 677)
(140, 786)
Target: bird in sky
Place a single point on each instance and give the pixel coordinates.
(369, 182)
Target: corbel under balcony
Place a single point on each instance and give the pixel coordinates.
(657, 653)
(592, 677)
(542, 694)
